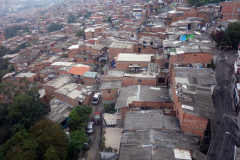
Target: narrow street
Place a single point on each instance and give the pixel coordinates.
(93, 152)
(222, 143)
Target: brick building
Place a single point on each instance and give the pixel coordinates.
(75, 94)
(150, 76)
(139, 97)
(184, 53)
(57, 65)
(110, 91)
(21, 62)
(2, 37)
(133, 61)
(90, 78)
(55, 84)
(120, 47)
(16, 78)
(191, 91)
(229, 10)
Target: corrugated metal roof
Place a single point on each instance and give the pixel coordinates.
(25, 74)
(59, 111)
(111, 84)
(134, 57)
(90, 74)
(147, 93)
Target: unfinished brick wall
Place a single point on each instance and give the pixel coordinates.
(89, 35)
(112, 96)
(230, 10)
(114, 51)
(154, 29)
(141, 34)
(89, 81)
(188, 58)
(72, 53)
(189, 123)
(125, 65)
(60, 72)
(85, 61)
(128, 81)
(194, 124)
(145, 50)
(56, 49)
(158, 105)
(49, 90)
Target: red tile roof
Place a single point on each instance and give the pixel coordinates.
(78, 70)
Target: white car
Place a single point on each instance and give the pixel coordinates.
(96, 98)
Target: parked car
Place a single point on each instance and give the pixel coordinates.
(97, 118)
(87, 144)
(90, 128)
(96, 98)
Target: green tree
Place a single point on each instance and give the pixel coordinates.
(11, 31)
(78, 117)
(4, 131)
(109, 109)
(54, 27)
(64, 56)
(232, 34)
(71, 18)
(122, 1)
(109, 19)
(88, 15)
(45, 140)
(156, 9)
(78, 137)
(25, 111)
(80, 33)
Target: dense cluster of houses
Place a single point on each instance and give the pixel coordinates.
(154, 68)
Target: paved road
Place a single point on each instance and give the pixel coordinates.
(222, 143)
(93, 152)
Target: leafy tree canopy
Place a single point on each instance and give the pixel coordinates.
(11, 31)
(23, 112)
(232, 34)
(88, 15)
(78, 117)
(109, 19)
(71, 18)
(54, 27)
(64, 56)
(198, 3)
(80, 33)
(43, 141)
(77, 139)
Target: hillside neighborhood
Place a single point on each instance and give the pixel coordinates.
(120, 80)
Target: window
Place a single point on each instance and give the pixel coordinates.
(238, 9)
(139, 50)
(144, 42)
(109, 91)
(79, 103)
(139, 80)
(78, 76)
(238, 16)
(85, 59)
(161, 80)
(72, 75)
(151, 43)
